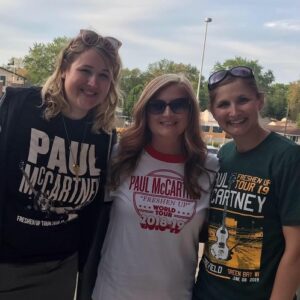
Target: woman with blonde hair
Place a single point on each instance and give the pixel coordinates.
(54, 147)
(160, 180)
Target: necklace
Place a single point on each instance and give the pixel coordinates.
(75, 165)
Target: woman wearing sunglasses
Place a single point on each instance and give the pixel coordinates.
(160, 184)
(54, 147)
(253, 251)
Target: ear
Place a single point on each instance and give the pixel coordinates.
(63, 72)
(64, 68)
(211, 110)
(261, 100)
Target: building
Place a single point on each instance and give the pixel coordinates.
(1, 88)
(287, 128)
(212, 132)
(9, 78)
(214, 135)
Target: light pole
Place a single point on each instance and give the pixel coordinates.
(207, 20)
(286, 117)
(12, 63)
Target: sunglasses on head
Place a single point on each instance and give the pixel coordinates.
(217, 77)
(177, 106)
(91, 38)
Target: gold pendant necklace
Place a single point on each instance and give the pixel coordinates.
(75, 165)
(76, 169)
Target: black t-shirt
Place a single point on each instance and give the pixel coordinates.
(44, 194)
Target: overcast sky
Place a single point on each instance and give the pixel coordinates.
(264, 30)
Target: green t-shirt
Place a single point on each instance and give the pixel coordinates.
(255, 194)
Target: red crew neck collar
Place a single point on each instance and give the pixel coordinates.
(171, 158)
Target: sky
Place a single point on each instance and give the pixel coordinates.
(267, 31)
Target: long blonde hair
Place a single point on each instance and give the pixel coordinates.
(53, 90)
(138, 135)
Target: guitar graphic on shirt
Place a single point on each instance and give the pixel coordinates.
(45, 205)
(220, 249)
(41, 202)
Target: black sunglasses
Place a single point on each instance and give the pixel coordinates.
(177, 106)
(217, 77)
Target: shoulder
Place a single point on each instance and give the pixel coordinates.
(211, 162)
(228, 145)
(226, 148)
(22, 90)
(282, 158)
(280, 139)
(283, 148)
(19, 94)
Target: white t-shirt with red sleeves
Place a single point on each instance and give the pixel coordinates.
(151, 246)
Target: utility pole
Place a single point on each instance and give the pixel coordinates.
(207, 20)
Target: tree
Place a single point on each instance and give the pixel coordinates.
(264, 79)
(294, 99)
(165, 66)
(203, 95)
(40, 62)
(130, 79)
(277, 105)
(192, 73)
(131, 99)
(133, 81)
(298, 120)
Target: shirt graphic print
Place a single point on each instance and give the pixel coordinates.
(236, 227)
(161, 201)
(55, 192)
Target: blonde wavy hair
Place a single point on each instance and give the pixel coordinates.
(138, 135)
(53, 90)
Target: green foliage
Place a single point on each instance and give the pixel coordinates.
(294, 99)
(298, 120)
(40, 62)
(165, 66)
(131, 99)
(130, 79)
(203, 96)
(264, 79)
(133, 81)
(276, 105)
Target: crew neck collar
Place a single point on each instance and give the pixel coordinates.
(170, 158)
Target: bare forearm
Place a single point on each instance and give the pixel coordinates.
(287, 278)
